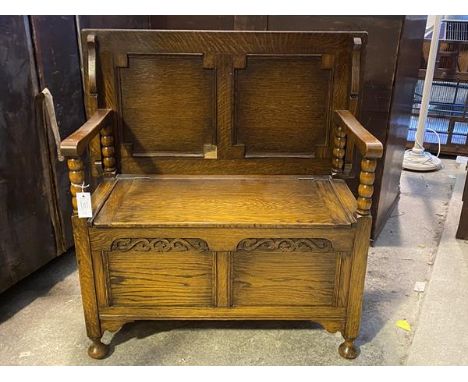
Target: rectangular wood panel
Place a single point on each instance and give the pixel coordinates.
(160, 279)
(296, 279)
(282, 105)
(167, 104)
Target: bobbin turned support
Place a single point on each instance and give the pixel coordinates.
(107, 150)
(366, 186)
(348, 128)
(339, 144)
(76, 176)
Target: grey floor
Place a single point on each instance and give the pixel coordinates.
(41, 320)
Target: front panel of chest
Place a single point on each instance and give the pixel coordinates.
(216, 271)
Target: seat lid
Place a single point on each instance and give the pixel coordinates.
(227, 201)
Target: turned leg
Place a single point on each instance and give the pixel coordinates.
(97, 349)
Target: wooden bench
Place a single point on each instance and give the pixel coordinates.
(218, 158)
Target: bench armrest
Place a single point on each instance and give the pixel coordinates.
(348, 127)
(75, 144)
(368, 145)
(73, 147)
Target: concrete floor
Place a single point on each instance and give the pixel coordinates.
(41, 320)
(441, 336)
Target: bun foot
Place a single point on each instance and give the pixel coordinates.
(98, 350)
(348, 350)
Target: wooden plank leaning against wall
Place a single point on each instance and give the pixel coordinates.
(27, 232)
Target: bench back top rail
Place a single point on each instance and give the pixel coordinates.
(197, 102)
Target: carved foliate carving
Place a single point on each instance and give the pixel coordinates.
(159, 245)
(285, 245)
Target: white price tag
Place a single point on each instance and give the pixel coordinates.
(83, 201)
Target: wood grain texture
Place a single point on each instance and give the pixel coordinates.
(87, 279)
(200, 166)
(266, 279)
(100, 195)
(313, 313)
(357, 278)
(76, 143)
(160, 279)
(366, 186)
(176, 93)
(223, 239)
(339, 152)
(225, 90)
(224, 201)
(25, 195)
(223, 279)
(269, 123)
(167, 105)
(108, 150)
(368, 145)
(93, 89)
(58, 63)
(77, 182)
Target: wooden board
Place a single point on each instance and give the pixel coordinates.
(227, 201)
(283, 278)
(409, 53)
(160, 279)
(266, 129)
(58, 68)
(26, 231)
(167, 104)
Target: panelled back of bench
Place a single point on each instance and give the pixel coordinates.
(192, 102)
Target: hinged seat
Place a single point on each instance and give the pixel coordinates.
(227, 201)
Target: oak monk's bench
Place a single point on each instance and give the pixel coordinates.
(217, 159)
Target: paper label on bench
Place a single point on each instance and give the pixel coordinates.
(83, 201)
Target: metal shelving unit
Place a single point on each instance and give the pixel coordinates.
(448, 108)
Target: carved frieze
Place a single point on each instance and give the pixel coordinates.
(285, 245)
(159, 245)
